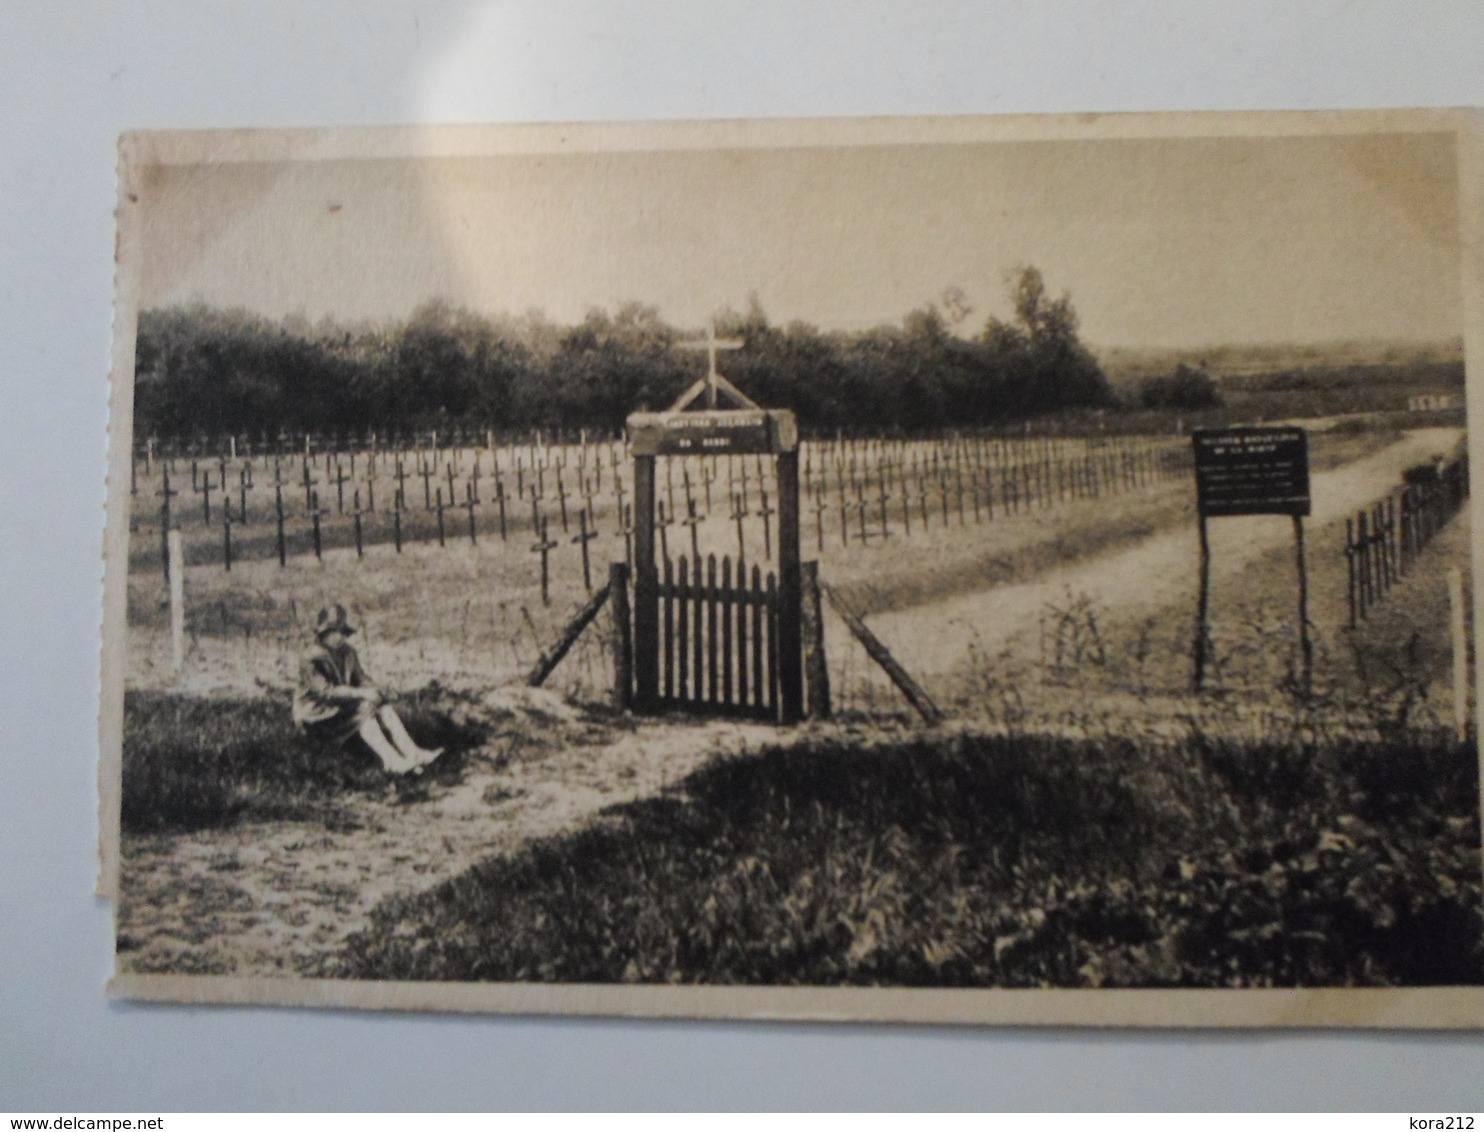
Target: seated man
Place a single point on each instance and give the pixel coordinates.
(336, 702)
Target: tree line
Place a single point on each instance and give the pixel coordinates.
(205, 371)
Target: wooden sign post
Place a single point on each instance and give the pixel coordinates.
(1252, 471)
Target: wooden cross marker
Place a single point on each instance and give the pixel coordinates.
(314, 515)
(309, 485)
(426, 471)
(883, 498)
(227, 538)
(470, 502)
(475, 475)
(398, 502)
(340, 480)
(626, 528)
(713, 379)
(544, 548)
(861, 506)
(663, 523)
(618, 490)
(740, 512)
(195, 480)
(205, 490)
(764, 511)
(500, 500)
(357, 513)
(562, 498)
(439, 507)
(283, 555)
(692, 521)
(583, 539)
(819, 508)
(451, 494)
(400, 475)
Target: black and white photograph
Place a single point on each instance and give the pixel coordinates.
(959, 569)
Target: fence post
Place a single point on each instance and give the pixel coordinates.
(790, 643)
(1458, 622)
(646, 586)
(816, 670)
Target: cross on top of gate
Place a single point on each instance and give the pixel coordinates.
(713, 381)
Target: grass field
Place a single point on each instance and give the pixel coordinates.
(977, 860)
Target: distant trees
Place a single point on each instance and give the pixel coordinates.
(200, 370)
(1186, 388)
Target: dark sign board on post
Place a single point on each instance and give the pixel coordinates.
(713, 432)
(1252, 471)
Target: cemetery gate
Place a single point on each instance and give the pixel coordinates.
(720, 638)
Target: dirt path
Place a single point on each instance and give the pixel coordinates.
(933, 640)
(279, 898)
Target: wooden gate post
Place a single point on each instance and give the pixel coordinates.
(622, 637)
(646, 590)
(790, 591)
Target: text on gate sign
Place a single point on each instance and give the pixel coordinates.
(712, 432)
(1252, 471)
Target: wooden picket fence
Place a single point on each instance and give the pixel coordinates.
(1382, 541)
(718, 638)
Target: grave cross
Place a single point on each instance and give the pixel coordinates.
(711, 345)
(309, 485)
(439, 507)
(357, 513)
(767, 528)
(341, 479)
(820, 507)
(626, 528)
(740, 512)
(693, 521)
(205, 488)
(544, 548)
(401, 477)
(583, 539)
(500, 500)
(663, 523)
(470, 502)
(314, 513)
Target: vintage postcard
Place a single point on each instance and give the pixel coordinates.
(960, 570)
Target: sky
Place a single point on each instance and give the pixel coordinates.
(1162, 243)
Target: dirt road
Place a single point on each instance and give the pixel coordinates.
(934, 639)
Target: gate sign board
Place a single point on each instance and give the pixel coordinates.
(713, 432)
(1252, 471)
